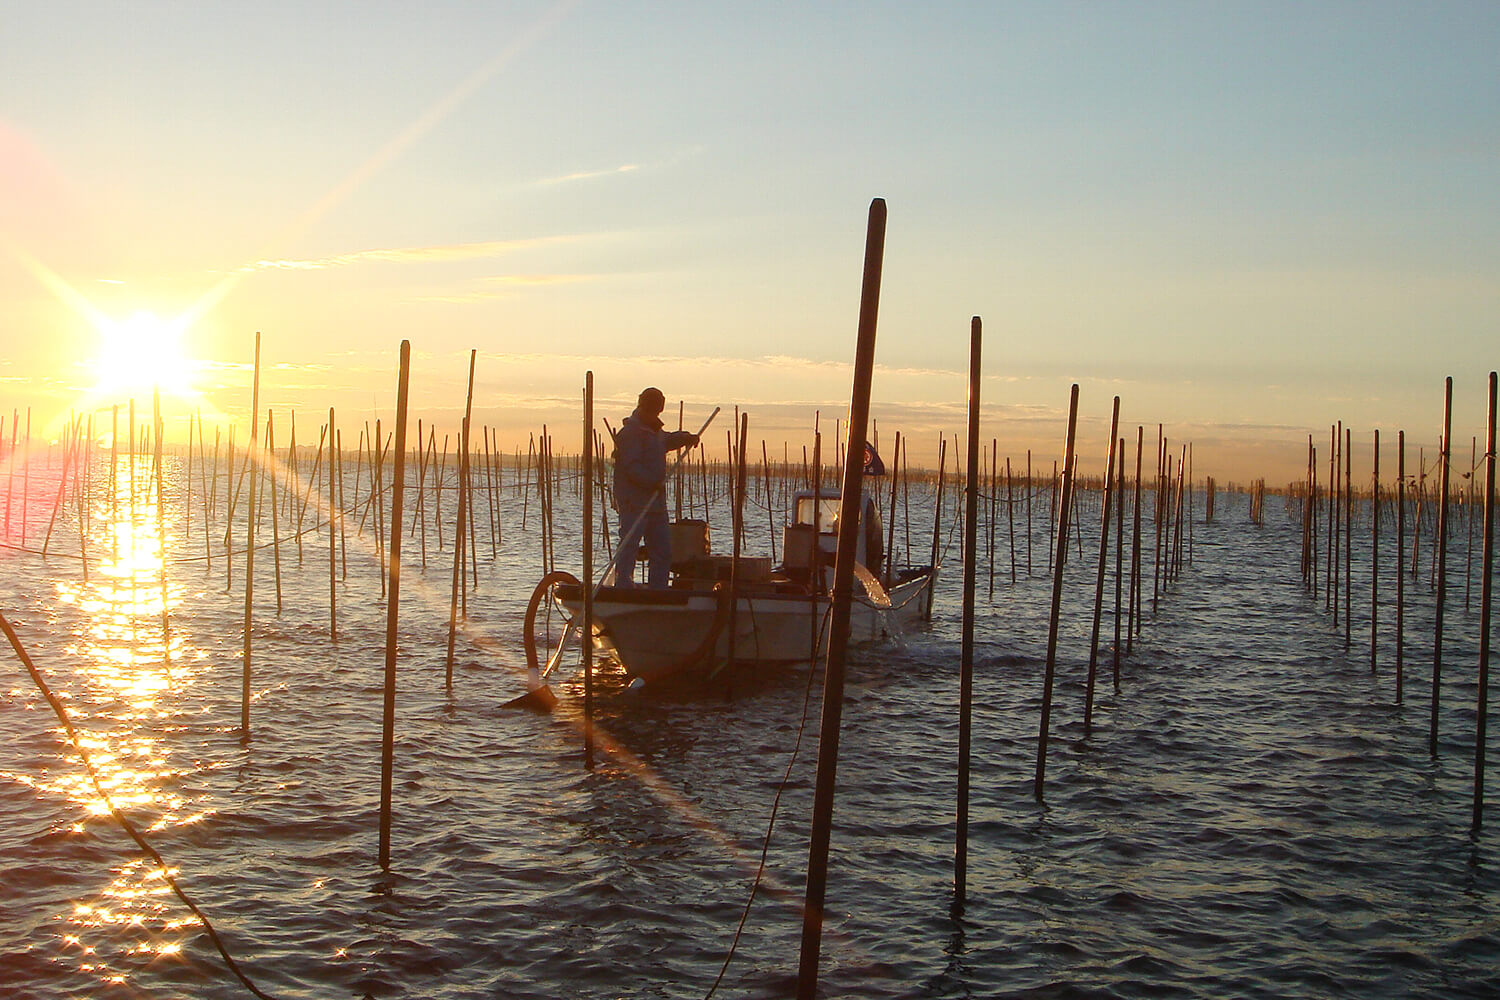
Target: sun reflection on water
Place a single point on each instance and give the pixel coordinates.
(130, 664)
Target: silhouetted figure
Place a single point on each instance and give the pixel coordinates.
(641, 448)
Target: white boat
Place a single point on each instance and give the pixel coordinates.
(717, 612)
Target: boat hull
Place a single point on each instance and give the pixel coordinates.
(657, 634)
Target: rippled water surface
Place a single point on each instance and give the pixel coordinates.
(1252, 816)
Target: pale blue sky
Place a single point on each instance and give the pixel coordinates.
(1247, 219)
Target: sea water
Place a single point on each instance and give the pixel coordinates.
(1253, 814)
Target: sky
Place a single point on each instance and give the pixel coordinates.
(1247, 220)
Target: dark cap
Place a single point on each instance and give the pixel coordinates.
(652, 398)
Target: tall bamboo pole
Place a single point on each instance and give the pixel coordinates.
(1486, 595)
(333, 534)
(1135, 545)
(1057, 588)
(1109, 496)
(833, 684)
(1348, 536)
(1119, 553)
(1442, 563)
(1374, 550)
(966, 655)
(937, 524)
(1400, 568)
(586, 637)
(458, 543)
(388, 715)
(271, 477)
(161, 527)
(890, 529)
(250, 549)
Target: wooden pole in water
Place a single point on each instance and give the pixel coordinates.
(10, 474)
(1348, 536)
(890, 529)
(458, 542)
(1486, 595)
(833, 683)
(270, 458)
(1468, 494)
(26, 480)
(388, 715)
(937, 522)
(994, 507)
(62, 487)
(472, 545)
(1374, 550)
(187, 479)
(586, 638)
(1156, 520)
(338, 477)
(1010, 514)
(1400, 568)
(1057, 588)
(1329, 583)
(966, 655)
(1135, 545)
(208, 498)
(250, 549)
(1309, 503)
(1442, 563)
(377, 499)
(161, 527)
(333, 535)
(765, 471)
(1109, 496)
(737, 498)
(1029, 487)
(312, 481)
(229, 497)
(1119, 552)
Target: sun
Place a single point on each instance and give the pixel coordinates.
(140, 354)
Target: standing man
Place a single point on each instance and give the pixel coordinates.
(641, 449)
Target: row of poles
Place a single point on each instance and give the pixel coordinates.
(1173, 512)
(261, 473)
(1329, 512)
(1172, 519)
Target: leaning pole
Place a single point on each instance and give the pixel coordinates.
(843, 581)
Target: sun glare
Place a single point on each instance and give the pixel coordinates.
(142, 353)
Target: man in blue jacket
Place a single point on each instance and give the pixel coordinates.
(641, 448)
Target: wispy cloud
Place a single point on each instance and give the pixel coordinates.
(449, 253)
(586, 175)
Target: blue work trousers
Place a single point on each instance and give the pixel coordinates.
(658, 538)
